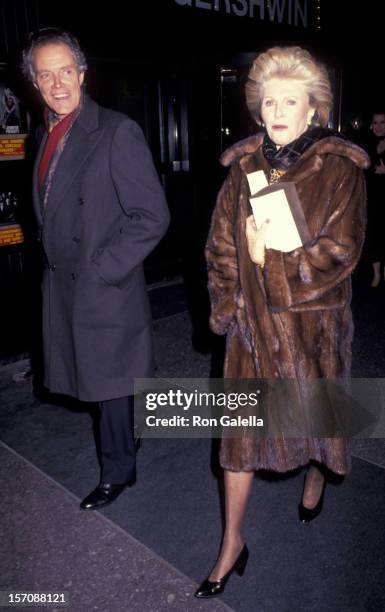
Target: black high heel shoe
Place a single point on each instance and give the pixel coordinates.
(212, 589)
(308, 514)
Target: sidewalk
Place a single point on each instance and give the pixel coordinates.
(49, 545)
(148, 550)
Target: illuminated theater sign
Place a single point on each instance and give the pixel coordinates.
(289, 12)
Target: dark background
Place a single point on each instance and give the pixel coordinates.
(179, 71)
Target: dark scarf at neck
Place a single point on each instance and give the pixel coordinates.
(57, 130)
(58, 133)
(286, 156)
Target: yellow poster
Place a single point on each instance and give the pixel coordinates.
(12, 146)
(11, 234)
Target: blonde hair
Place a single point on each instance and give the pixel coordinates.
(290, 63)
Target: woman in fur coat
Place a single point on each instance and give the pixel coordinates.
(286, 314)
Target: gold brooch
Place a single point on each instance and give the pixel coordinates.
(275, 175)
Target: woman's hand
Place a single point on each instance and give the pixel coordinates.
(380, 169)
(256, 239)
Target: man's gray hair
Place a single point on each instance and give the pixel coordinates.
(48, 36)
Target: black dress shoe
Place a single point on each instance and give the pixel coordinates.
(308, 514)
(104, 494)
(212, 589)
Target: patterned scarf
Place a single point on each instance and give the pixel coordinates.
(58, 132)
(281, 159)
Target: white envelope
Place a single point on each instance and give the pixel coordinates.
(287, 228)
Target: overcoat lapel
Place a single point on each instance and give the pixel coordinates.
(35, 183)
(83, 138)
(76, 151)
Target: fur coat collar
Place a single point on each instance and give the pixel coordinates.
(243, 151)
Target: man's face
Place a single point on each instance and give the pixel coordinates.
(57, 78)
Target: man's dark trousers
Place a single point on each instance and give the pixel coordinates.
(117, 445)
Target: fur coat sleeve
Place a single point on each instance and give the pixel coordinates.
(221, 256)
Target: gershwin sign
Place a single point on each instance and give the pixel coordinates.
(289, 12)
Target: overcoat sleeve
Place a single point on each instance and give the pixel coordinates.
(221, 257)
(309, 272)
(141, 198)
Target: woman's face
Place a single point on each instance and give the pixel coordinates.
(285, 110)
(378, 125)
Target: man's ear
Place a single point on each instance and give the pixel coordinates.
(35, 85)
(81, 78)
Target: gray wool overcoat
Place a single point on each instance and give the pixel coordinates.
(106, 212)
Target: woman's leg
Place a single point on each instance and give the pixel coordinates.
(237, 493)
(314, 484)
(376, 274)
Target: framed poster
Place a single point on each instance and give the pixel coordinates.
(13, 133)
(12, 125)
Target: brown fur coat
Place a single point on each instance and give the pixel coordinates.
(291, 319)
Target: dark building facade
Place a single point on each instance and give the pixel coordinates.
(177, 67)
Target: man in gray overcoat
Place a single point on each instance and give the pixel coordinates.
(101, 210)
